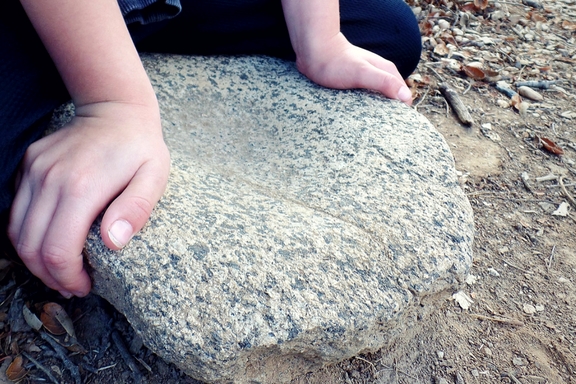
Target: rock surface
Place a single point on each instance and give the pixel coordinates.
(300, 226)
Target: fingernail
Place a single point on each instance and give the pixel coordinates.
(66, 294)
(80, 294)
(120, 233)
(404, 94)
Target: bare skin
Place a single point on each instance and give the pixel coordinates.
(112, 156)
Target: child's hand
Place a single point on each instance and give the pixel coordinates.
(110, 152)
(339, 64)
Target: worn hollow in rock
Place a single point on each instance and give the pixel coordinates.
(301, 225)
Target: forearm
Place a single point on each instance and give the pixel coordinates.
(92, 49)
(311, 23)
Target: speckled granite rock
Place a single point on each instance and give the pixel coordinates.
(300, 227)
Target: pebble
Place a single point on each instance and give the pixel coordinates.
(530, 93)
(497, 15)
(514, 19)
(487, 351)
(519, 361)
(440, 354)
(529, 309)
(493, 272)
(475, 373)
(443, 24)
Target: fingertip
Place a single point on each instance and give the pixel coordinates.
(120, 233)
(405, 95)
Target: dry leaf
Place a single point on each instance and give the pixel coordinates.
(515, 101)
(536, 17)
(49, 317)
(463, 299)
(16, 371)
(469, 7)
(481, 4)
(568, 25)
(474, 72)
(441, 49)
(31, 319)
(426, 28)
(551, 146)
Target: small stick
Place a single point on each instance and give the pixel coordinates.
(518, 268)
(566, 193)
(551, 257)
(366, 361)
(505, 90)
(548, 177)
(498, 319)
(106, 367)
(543, 84)
(40, 367)
(526, 181)
(126, 356)
(557, 186)
(144, 364)
(422, 99)
(61, 353)
(457, 105)
(512, 377)
(468, 88)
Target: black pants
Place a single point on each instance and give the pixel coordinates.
(30, 86)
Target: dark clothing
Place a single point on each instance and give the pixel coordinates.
(30, 86)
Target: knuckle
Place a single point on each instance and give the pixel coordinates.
(141, 207)
(79, 184)
(54, 257)
(27, 253)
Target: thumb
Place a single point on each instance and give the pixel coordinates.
(391, 84)
(386, 83)
(130, 211)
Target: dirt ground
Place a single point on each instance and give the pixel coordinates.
(514, 320)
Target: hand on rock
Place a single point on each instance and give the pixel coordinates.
(341, 65)
(110, 153)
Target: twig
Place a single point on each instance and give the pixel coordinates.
(422, 98)
(551, 257)
(457, 105)
(526, 181)
(126, 356)
(498, 319)
(556, 186)
(542, 84)
(144, 364)
(366, 361)
(487, 194)
(107, 367)
(467, 88)
(511, 377)
(61, 353)
(436, 73)
(41, 367)
(518, 268)
(566, 193)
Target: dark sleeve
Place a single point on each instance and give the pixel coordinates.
(148, 11)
